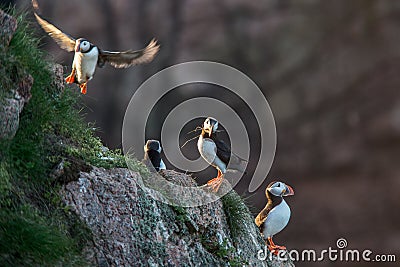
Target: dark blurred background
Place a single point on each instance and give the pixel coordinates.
(329, 69)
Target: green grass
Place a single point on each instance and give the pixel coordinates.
(224, 251)
(28, 239)
(33, 229)
(181, 213)
(238, 217)
(237, 213)
(36, 229)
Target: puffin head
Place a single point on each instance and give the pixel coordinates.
(82, 45)
(279, 189)
(152, 145)
(210, 125)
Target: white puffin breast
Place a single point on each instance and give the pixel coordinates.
(207, 149)
(162, 165)
(277, 219)
(85, 64)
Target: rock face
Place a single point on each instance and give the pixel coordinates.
(132, 229)
(8, 27)
(12, 107)
(15, 99)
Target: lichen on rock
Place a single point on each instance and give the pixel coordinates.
(7, 29)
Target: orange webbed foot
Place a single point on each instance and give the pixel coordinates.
(274, 248)
(70, 78)
(83, 87)
(216, 182)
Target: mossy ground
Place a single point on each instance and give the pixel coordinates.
(238, 217)
(237, 213)
(35, 228)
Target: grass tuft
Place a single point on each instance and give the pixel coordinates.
(28, 239)
(237, 213)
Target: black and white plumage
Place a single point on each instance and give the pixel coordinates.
(88, 56)
(276, 214)
(152, 155)
(217, 153)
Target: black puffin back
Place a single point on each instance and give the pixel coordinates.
(223, 150)
(153, 157)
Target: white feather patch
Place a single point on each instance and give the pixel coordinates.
(85, 64)
(277, 219)
(162, 165)
(208, 150)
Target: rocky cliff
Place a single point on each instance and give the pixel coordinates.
(130, 228)
(65, 202)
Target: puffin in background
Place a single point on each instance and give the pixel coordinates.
(276, 214)
(217, 153)
(152, 155)
(88, 56)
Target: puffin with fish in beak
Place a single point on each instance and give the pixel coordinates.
(217, 153)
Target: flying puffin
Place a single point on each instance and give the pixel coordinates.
(217, 153)
(152, 155)
(88, 56)
(276, 214)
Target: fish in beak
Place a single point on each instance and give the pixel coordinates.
(78, 46)
(210, 129)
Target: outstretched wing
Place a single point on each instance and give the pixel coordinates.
(129, 58)
(62, 39)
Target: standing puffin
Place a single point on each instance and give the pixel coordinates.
(88, 56)
(152, 155)
(276, 214)
(217, 153)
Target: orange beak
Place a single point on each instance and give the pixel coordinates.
(211, 129)
(289, 191)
